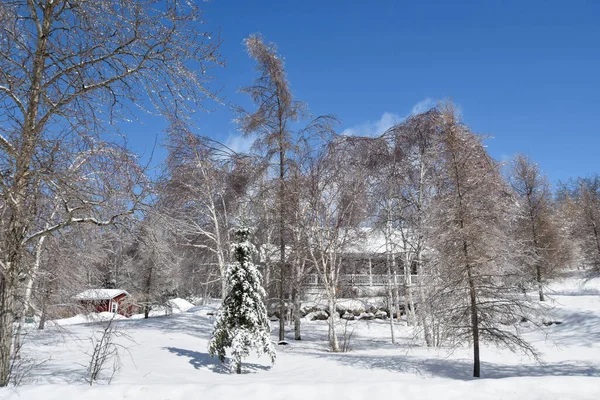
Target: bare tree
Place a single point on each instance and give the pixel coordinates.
(272, 122)
(475, 252)
(333, 217)
(202, 192)
(537, 225)
(69, 72)
(579, 202)
(412, 158)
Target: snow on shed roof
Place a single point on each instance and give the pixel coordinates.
(100, 294)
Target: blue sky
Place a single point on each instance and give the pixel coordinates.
(525, 72)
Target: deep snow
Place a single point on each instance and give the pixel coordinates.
(166, 358)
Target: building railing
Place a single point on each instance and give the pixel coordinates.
(361, 280)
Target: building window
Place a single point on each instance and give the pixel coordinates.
(115, 307)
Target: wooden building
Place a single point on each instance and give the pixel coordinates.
(106, 300)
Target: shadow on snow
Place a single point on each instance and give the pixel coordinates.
(462, 369)
(201, 360)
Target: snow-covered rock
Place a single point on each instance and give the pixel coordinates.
(317, 316)
(348, 316)
(366, 316)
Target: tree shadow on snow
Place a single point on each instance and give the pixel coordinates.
(201, 360)
(462, 369)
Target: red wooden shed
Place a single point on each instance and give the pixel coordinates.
(106, 300)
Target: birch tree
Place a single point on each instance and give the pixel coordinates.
(201, 194)
(333, 218)
(413, 157)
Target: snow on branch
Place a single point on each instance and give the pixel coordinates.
(72, 221)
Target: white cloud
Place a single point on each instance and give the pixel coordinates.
(239, 143)
(387, 120)
(422, 106)
(374, 128)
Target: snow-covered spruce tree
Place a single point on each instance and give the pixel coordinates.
(243, 324)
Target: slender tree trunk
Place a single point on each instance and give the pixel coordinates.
(26, 306)
(390, 293)
(45, 290)
(296, 310)
(223, 272)
(333, 339)
(538, 270)
(424, 317)
(282, 260)
(474, 321)
(538, 266)
(7, 316)
(148, 292)
(408, 295)
(597, 238)
(424, 312)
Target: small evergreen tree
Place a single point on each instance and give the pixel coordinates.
(243, 324)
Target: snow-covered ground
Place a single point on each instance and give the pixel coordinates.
(165, 357)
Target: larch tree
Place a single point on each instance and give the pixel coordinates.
(243, 324)
(70, 73)
(273, 124)
(579, 201)
(537, 226)
(472, 244)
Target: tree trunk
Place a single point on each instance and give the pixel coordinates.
(333, 339)
(45, 290)
(148, 292)
(408, 295)
(423, 311)
(281, 310)
(597, 238)
(7, 294)
(391, 300)
(474, 323)
(390, 293)
(281, 238)
(538, 271)
(296, 310)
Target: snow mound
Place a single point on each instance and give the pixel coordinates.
(180, 304)
(88, 318)
(107, 316)
(575, 285)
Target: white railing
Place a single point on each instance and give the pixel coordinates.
(359, 280)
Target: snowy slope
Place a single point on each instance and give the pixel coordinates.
(168, 359)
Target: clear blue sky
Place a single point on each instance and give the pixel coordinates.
(525, 72)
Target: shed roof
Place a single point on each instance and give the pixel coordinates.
(100, 294)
